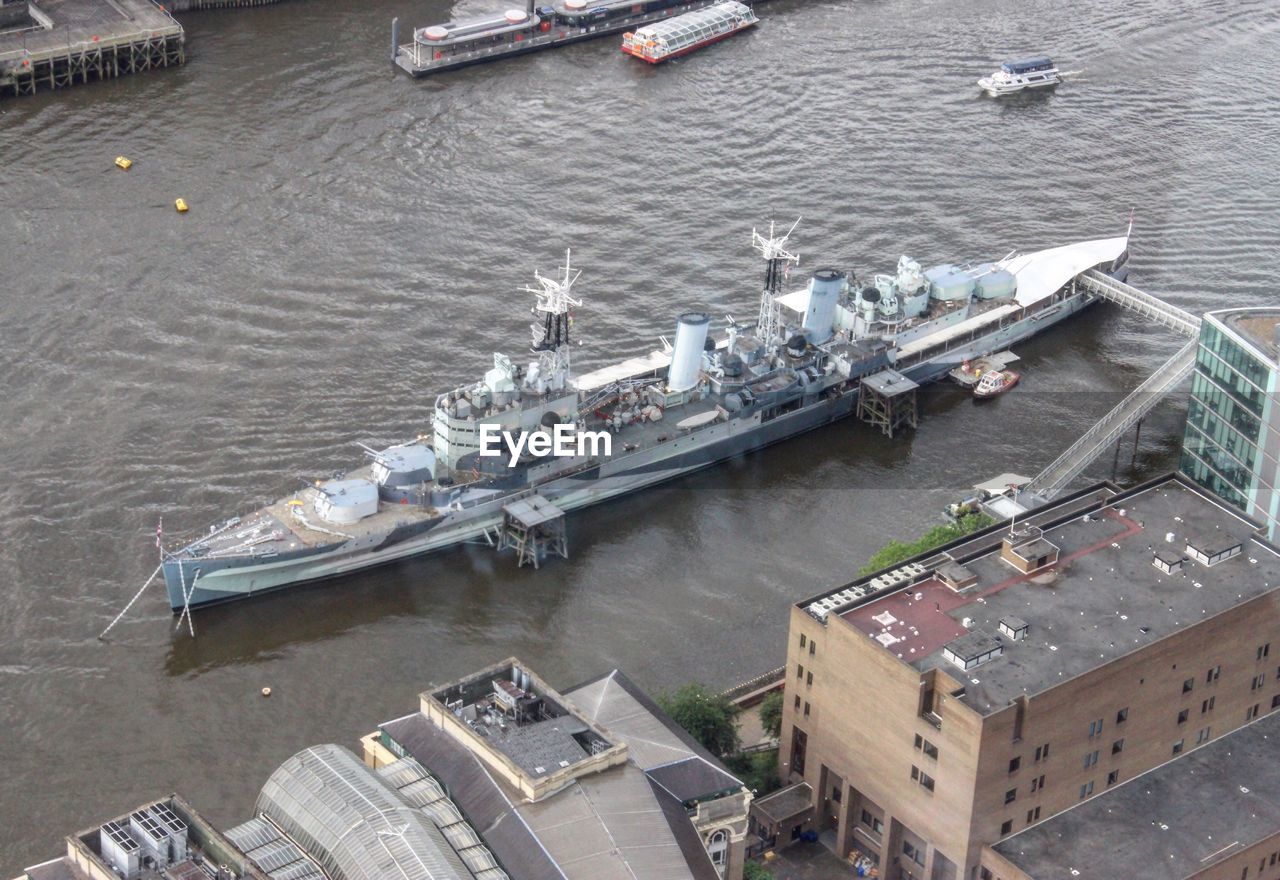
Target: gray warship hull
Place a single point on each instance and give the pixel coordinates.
(194, 581)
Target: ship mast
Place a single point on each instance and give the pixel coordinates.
(777, 258)
(551, 334)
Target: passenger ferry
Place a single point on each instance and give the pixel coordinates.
(678, 36)
(1014, 76)
(457, 44)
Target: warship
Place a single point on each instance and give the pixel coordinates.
(812, 353)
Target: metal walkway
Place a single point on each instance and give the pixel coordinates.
(1176, 319)
(1111, 427)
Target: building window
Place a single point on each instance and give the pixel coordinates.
(872, 822)
(1188, 685)
(927, 747)
(718, 847)
(1037, 783)
(1014, 764)
(1206, 705)
(1264, 651)
(835, 793)
(1203, 735)
(1122, 716)
(797, 702)
(799, 672)
(1113, 777)
(1182, 716)
(1086, 789)
(1258, 681)
(1006, 827)
(799, 742)
(1011, 795)
(1033, 815)
(1253, 712)
(1095, 727)
(806, 710)
(802, 640)
(924, 779)
(813, 648)
(916, 854)
(984, 874)
(1090, 758)
(1117, 747)
(1042, 751)
(1177, 747)
(1275, 702)
(809, 679)
(1213, 675)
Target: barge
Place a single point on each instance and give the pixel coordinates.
(464, 42)
(687, 33)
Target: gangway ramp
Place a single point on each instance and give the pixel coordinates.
(1111, 427)
(1154, 308)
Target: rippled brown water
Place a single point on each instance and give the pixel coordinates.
(353, 247)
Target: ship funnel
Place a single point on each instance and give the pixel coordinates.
(824, 292)
(686, 354)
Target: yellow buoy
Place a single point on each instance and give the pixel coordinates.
(181, 205)
(266, 692)
(122, 162)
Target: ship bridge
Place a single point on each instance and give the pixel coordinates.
(1130, 411)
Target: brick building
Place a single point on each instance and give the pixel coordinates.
(1006, 678)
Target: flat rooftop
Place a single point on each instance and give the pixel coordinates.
(512, 711)
(1256, 325)
(1103, 598)
(1173, 821)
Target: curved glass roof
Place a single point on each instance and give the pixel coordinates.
(353, 822)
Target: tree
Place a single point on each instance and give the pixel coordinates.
(771, 713)
(897, 551)
(755, 871)
(708, 716)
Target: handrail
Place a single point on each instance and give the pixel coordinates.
(1067, 466)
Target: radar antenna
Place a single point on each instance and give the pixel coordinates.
(551, 334)
(778, 263)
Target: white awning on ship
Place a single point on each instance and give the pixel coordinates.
(1041, 273)
(957, 331)
(636, 366)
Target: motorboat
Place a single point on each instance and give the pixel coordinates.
(1027, 73)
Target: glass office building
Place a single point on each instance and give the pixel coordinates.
(1232, 439)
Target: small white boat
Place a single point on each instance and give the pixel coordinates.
(995, 382)
(1014, 76)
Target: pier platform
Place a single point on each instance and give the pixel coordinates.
(66, 42)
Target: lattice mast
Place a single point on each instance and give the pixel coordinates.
(551, 333)
(777, 263)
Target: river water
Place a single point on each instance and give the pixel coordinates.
(354, 246)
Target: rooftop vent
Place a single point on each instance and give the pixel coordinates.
(956, 576)
(973, 649)
(1210, 548)
(1014, 627)
(1169, 563)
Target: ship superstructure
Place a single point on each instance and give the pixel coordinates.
(706, 397)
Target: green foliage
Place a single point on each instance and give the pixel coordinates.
(771, 713)
(900, 551)
(758, 771)
(755, 871)
(708, 716)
